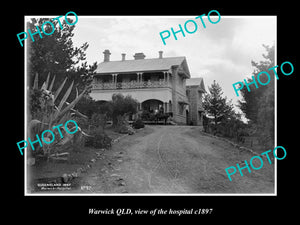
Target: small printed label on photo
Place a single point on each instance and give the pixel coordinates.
(54, 186)
(86, 188)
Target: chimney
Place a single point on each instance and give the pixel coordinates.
(123, 56)
(139, 56)
(160, 54)
(106, 55)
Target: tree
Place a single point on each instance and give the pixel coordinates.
(121, 105)
(251, 102)
(216, 105)
(227, 122)
(56, 54)
(258, 105)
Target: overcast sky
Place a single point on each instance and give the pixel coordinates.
(221, 52)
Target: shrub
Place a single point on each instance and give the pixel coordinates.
(138, 124)
(122, 129)
(98, 120)
(122, 106)
(122, 126)
(99, 139)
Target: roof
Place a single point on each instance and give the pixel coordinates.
(194, 81)
(197, 81)
(140, 65)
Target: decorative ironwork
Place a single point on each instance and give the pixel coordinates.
(131, 85)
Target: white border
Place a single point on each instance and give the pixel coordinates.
(143, 194)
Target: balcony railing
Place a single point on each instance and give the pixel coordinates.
(131, 85)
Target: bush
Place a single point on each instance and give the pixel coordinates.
(98, 120)
(121, 106)
(99, 139)
(41, 103)
(124, 129)
(122, 126)
(138, 124)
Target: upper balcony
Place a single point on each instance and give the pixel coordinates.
(132, 81)
(130, 85)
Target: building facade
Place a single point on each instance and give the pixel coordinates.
(155, 83)
(194, 91)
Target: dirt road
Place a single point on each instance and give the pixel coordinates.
(174, 159)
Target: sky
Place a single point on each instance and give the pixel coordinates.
(221, 51)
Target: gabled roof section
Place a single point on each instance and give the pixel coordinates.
(140, 65)
(183, 69)
(197, 81)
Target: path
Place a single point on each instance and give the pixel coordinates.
(174, 159)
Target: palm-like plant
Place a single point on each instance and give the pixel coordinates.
(52, 114)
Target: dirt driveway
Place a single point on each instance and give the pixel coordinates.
(174, 159)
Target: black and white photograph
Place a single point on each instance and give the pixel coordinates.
(184, 107)
(179, 112)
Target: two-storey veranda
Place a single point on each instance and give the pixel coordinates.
(154, 83)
